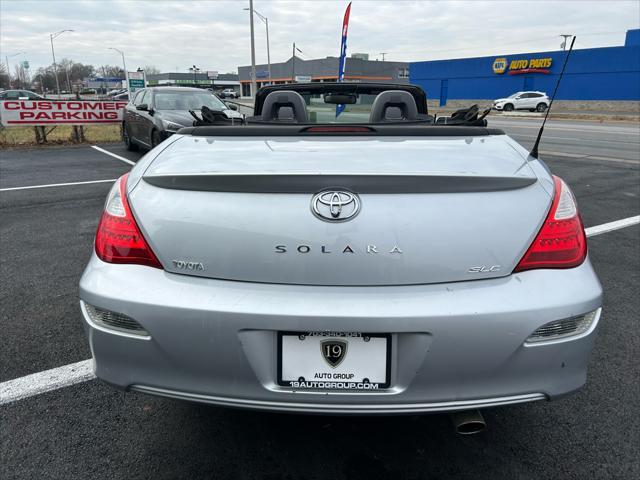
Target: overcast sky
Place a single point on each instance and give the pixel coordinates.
(214, 34)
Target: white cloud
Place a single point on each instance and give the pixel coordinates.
(214, 35)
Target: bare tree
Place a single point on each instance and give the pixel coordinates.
(4, 78)
(20, 76)
(45, 79)
(112, 71)
(151, 70)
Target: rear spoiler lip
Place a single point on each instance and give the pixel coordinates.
(373, 130)
(365, 183)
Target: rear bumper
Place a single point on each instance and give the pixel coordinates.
(455, 346)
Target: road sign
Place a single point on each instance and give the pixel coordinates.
(136, 81)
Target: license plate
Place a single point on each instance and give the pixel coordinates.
(334, 360)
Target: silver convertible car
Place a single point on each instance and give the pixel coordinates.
(342, 251)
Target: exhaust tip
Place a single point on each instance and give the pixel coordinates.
(468, 422)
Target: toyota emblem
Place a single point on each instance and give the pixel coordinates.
(335, 205)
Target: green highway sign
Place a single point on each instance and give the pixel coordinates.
(136, 81)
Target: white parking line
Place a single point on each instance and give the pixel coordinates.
(43, 382)
(57, 185)
(584, 156)
(67, 375)
(107, 152)
(611, 226)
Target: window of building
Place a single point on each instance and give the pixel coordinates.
(403, 73)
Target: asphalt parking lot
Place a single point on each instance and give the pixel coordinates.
(89, 430)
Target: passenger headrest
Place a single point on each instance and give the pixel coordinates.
(291, 103)
(393, 106)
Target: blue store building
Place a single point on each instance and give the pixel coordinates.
(607, 73)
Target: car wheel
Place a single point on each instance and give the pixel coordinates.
(508, 107)
(155, 138)
(541, 107)
(126, 138)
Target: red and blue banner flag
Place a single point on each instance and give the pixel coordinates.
(343, 52)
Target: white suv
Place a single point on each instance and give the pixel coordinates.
(228, 93)
(532, 101)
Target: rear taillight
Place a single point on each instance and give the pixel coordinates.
(561, 242)
(118, 239)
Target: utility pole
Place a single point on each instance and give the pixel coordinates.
(253, 52)
(564, 41)
(53, 36)
(383, 54)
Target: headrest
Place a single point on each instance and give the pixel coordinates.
(393, 106)
(291, 103)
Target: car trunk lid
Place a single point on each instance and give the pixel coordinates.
(432, 210)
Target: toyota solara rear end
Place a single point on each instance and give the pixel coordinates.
(342, 273)
(454, 275)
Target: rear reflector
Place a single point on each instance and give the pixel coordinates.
(118, 239)
(568, 327)
(561, 242)
(114, 321)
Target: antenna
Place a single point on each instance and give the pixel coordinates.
(534, 150)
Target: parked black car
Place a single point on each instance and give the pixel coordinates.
(153, 114)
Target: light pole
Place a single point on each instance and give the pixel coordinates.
(53, 36)
(7, 57)
(195, 70)
(564, 40)
(266, 22)
(293, 62)
(124, 65)
(253, 51)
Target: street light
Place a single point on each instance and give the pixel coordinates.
(7, 57)
(253, 51)
(266, 22)
(124, 65)
(564, 40)
(293, 62)
(195, 70)
(53, 54)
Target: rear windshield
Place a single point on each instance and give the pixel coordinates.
(320, 112)
(340, 103)
(187, 101)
